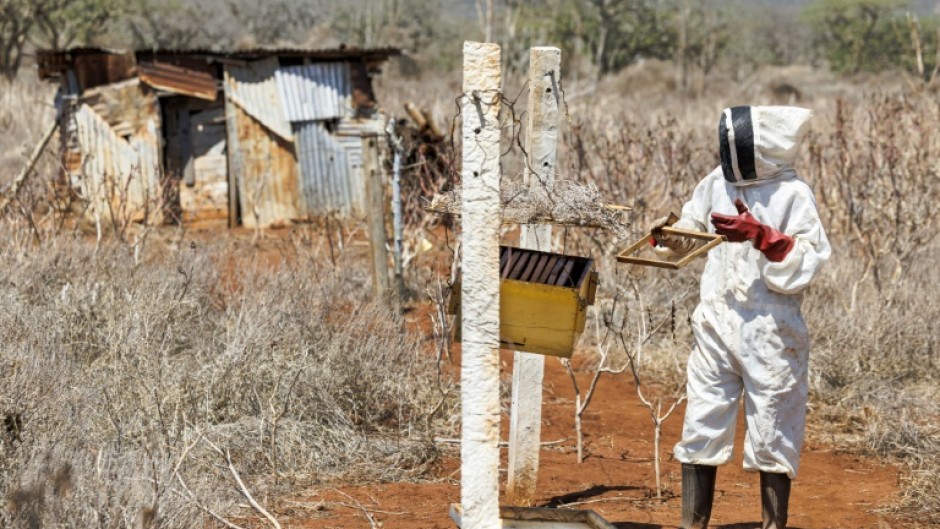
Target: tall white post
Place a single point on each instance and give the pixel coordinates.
(525, 425)
(480, 222)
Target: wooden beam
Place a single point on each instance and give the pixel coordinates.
(479, 369)
(375, 200)
(233, 154)
(525, 424)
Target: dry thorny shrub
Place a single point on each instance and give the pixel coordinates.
(874, 377)
(119, 378)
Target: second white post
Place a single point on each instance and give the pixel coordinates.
(525, 425)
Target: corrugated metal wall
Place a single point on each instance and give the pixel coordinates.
(310, 101)
(253, 87)
(317, 100)
(327, 180)
(352, 146)
(331, 165)
(262, 160)
(266, 172)
(315, 92)
(118, 176)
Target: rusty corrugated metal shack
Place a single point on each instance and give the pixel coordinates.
(260, 137)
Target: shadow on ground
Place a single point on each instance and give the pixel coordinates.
(633, 525)
(751, 525)
(581, 495)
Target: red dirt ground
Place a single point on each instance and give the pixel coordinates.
(833, 490)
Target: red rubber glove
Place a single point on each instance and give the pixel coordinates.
(744, 227)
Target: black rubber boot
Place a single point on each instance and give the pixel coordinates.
(698, 491)
(774, 499)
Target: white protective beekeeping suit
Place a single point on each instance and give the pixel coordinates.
(750, 337)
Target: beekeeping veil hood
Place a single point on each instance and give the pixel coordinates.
(760, 143)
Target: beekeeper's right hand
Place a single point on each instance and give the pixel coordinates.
(675, 245)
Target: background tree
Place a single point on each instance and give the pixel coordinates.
(857, 35)
(17, 18)
(54, 24)
(63, 23)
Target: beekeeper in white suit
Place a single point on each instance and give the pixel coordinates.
(750, 337)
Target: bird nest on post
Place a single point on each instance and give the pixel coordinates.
(563, 202)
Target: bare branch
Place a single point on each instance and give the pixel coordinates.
(368, 515)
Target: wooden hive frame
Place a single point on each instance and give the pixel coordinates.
(712, 240)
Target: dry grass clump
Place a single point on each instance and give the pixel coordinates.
(875, 383)
(127, 386)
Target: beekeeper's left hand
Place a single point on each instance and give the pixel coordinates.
(744, 227)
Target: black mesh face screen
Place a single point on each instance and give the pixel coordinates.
(724, 150)
(744, 141)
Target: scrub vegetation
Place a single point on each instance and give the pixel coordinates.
(153, 379)
(136, 394)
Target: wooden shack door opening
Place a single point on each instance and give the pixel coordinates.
(195, 158)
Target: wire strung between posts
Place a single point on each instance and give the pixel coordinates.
(562, 202)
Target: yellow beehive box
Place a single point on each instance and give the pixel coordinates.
(543, 300)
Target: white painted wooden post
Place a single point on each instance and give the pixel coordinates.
(480, 222)
(525, 425)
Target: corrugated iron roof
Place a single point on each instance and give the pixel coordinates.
(192, 80)
(315, 91)
(53, 62)
(340, 53)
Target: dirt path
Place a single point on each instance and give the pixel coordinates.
(832, 491)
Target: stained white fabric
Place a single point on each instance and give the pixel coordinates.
(750, 337)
